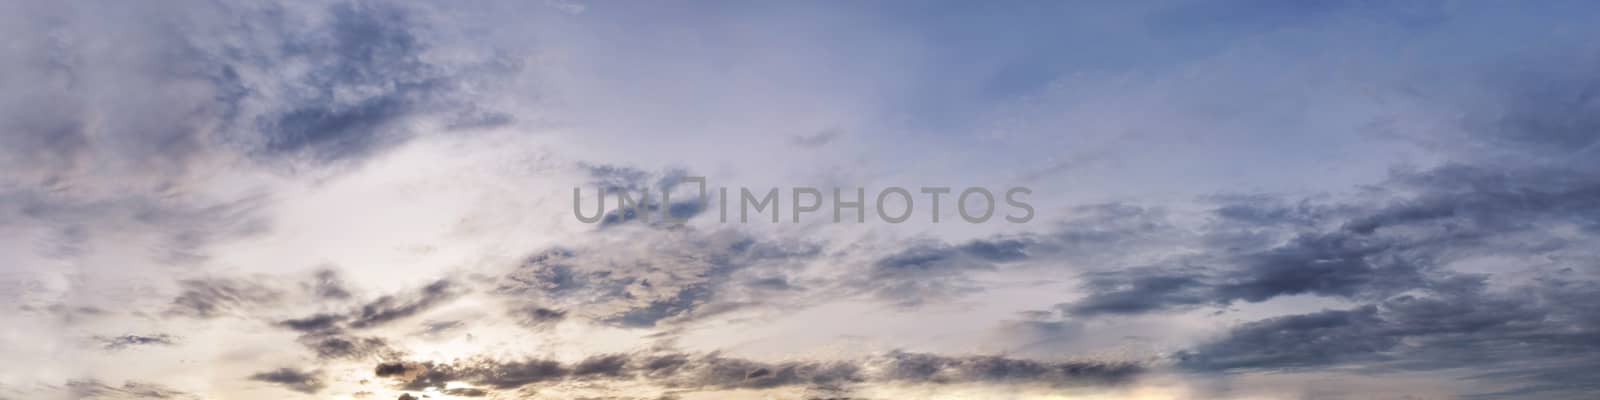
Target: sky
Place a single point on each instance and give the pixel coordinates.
(375, 200)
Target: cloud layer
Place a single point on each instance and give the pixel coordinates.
(361, 199)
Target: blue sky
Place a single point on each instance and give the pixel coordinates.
(364, 199)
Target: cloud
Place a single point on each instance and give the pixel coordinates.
(435, 329)
(214, 297)
(927, 272)
(325, 334)
(538, 317)
(713, 371)
(338, 346)
(368, 74)
(1500, 199)
(374, 313)
(917, 367)
(309, 382)
(672, 277)
(1329, 265)
(390, 308)
(1140, 290)
(613, 181)
(338, 82)
(141, 142)
(1455, 322)
(1100, 238)
(126, 341)
(1316, 339)
(93, 389)
(501, 375)
(1364, 251)
(314, 323)
(80, 221)
(328, 285)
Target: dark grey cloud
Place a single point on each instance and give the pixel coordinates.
(367, 48)
(214, 297)
(1330, 265)
(481, 372)
(1316, 339)
(394, 369)
(1392, 256)
(606, 365)
(1486, 200)
(713, 371)
(1518, 334)
(328, 285)
(390, 308)
(203, 93)
(682, 276)
(538, 317)
(330, 346)
(1140, 290)
(1100, 238)
(923, 260)
(377, 312)
(1260, 211)
(723, 372)
(683, 301)
(935, 271)
(679, 210)
(1528, 336)
(127, 341)
(931, 368)
(309, 382)
(608, 181)
(1363, 251)
(770, 283)
(314, 323)
(331, 83)
(328, 334)
(1518, 174)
